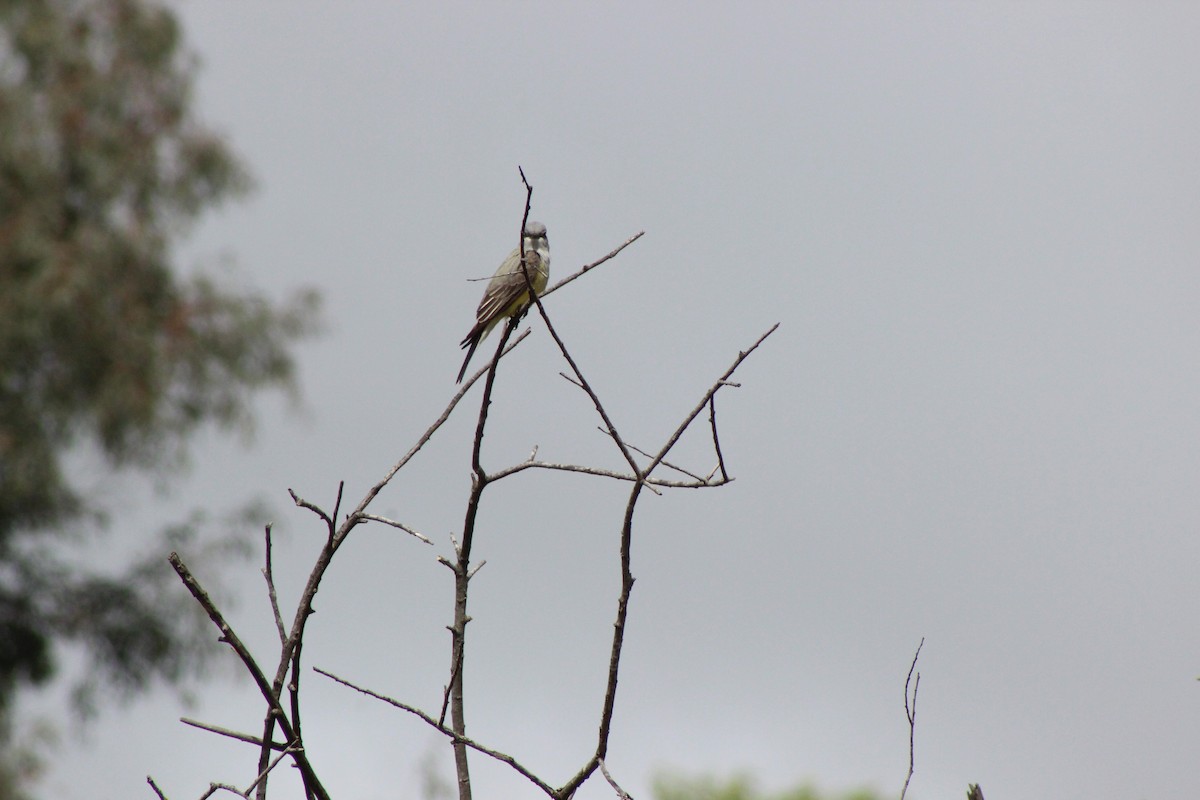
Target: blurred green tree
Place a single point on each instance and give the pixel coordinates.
(104, 346)
(741, 787)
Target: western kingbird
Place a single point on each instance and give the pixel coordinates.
(507, 294)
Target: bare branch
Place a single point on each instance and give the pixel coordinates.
(355, 516)
(241, 737)
(911, 713)
(276, 712)
(154, 786)
(292, 641)
(525, 216)
(294, 697)
(621, 793)
(213, 788)
(227, 635)
(722, 381)
(394, 524)
(441, 720)
(272, 752)
(609, 427)
(316, 510)
(668, 464)
(462, 577)
(269, 575)
(712, 420)
(337, 504)
(262, 776)
(589, 267)
(627, 579)
(457, 738)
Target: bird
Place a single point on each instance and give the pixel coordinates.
(507, 293)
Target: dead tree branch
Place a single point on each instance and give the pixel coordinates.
(448, 732)
(621, 793)
(910, 711)
(275, 711)
(641, 466)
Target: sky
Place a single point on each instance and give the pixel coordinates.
(977, 225)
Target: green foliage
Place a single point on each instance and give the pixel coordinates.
(741, 787)
(102, 344)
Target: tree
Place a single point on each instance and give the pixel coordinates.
(103, 344)
(281, 677)
(741, 787)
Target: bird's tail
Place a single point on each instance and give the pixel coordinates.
(473, 341)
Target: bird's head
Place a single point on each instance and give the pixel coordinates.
(535, 232)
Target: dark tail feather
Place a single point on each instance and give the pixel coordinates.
(470, 352)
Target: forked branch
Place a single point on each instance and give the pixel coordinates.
(286, 715)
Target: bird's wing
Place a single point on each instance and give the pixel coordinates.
(506, 287)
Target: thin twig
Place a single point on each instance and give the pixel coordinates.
(609, 426)
(722, 381)
(664, 462)
(525, 216)
(269, 575)
(354, 517)
(911, 713)
(450, 685)
(699, 483)
(455, 737)
(337, 504)
(262, 776)
(305, 504)
(589, 267)
(294, 692)
(241, 737)
(154, 786)
(621, 793)
(213, 788)
(712, 420)
(395, 524)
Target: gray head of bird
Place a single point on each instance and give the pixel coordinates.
(535, 230)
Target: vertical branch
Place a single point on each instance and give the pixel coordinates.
(289, 656)
(294, 690)
(910, 711)
(712, 421)
(525, 216)
(272, 595)
(458, 633)
(614, 659)
(618, 641)
(462, 577)
(462, 567)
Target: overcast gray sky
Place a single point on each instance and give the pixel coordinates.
(978, 225)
